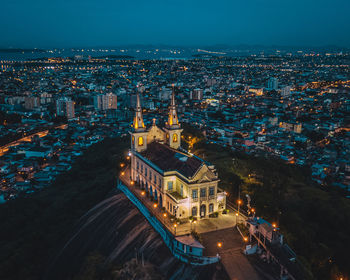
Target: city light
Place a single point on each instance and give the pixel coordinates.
(219, 244)
(155, 205)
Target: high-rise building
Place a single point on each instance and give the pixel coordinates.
(65, 107)
(285, 91)
(196, 94)
(105, 101)
(31, 102)
(272, 83)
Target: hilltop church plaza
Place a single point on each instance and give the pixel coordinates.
(173, 183)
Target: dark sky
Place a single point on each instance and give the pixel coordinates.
(88, 23)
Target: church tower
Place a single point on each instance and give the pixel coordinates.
(138, 133)
(172, 128)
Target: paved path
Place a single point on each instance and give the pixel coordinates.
(235, 262)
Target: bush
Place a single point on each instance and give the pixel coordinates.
(214, 215)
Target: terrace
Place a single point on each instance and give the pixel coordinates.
(175, 226)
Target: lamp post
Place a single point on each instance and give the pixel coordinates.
(239, 204)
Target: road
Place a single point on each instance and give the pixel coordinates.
(235, 262)
(5, 148)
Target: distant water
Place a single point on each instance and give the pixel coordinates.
(27, 55)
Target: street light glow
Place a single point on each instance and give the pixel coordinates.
(219, 244)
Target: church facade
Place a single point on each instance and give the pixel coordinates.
(184, 184)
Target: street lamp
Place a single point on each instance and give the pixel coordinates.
(155, 205)
(175, 225)
(219, 244)
(239, 204)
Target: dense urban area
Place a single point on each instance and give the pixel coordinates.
(294, 106)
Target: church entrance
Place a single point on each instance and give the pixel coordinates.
(203, 210)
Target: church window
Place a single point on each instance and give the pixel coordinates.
(175, 137)
(194, 194)
(211, 208)
(170, 186)
(140, 141)
(203, 192)
(211, 191)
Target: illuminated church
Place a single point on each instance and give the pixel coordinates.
(182, 183)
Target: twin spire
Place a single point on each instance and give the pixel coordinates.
(138, 119)
(173, 121)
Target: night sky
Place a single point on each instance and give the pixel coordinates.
(91, 23)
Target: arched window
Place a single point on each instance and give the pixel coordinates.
(211, 208)
(194, 211)
(174, 137)
(140, 141)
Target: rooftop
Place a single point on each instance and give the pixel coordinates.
(168, 159)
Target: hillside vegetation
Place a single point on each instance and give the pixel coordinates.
(34, 228)
(314, 221)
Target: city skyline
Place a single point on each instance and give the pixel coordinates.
(112, 23)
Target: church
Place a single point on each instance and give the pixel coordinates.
(184, 184)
